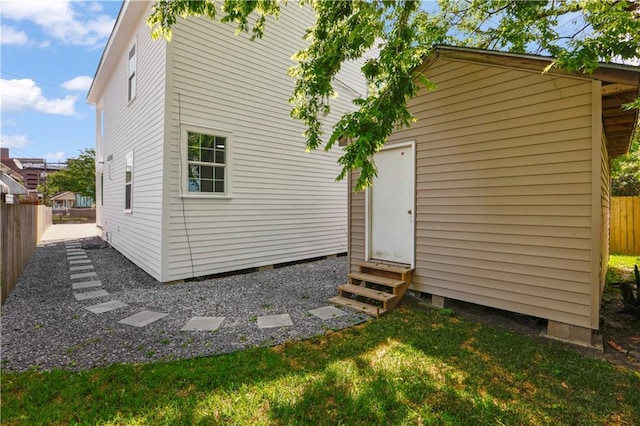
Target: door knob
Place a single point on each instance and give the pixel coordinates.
(409, 211)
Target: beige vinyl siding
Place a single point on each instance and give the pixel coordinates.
(503, 190)
(135, 126)
(357, 224)
(605, 185)
(285, 204)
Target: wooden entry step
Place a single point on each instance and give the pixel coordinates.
(375, 289)
(374, 311)
(375, 279)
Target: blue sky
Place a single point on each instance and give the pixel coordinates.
(50, 50)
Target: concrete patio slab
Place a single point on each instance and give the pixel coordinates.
(83, 275)
(273, 321)
(86, 284)
(69, 232)
(105, 307)
(203, 324)
(80, 268)
(79, 261)
(327, 312)
(90, 294)
(142, 318)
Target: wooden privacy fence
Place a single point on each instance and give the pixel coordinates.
(624, 234)
(21, 227)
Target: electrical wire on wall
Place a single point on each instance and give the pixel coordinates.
(184, 215)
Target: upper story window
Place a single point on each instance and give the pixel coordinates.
(132, 74)
(207, 163)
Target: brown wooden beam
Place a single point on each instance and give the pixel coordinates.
(612, 89)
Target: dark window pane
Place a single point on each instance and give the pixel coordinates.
(219, 157)
(219, 186)
(207, 186)
(219, 173)
(206, 172)
(127, 197)
(207, 156)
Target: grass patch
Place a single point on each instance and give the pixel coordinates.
(413, 366)
(621, 268)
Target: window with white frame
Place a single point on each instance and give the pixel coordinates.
(207, 160)
(128, 183)
(131, 84)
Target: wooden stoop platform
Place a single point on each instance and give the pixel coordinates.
(375, 289)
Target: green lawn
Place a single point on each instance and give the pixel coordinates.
(621, 268)
(414, 366)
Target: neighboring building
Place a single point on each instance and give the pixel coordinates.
(64, 200)
(499, 194)
(34, 171)
(84, 201)
(11, 187)
(31, 169)
(200, 169)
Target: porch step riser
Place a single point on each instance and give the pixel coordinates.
(391, 282)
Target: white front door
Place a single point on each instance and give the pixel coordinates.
(391, 206)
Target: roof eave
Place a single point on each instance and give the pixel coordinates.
(125, 26)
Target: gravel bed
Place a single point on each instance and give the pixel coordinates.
(44, 327)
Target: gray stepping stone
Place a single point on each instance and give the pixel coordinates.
(142, 318)
(73, 246)
(79, 261)
(83, 275)
(84, 256)
(90, 294)
(86, 284)
(327, 312)
(105, 307)
(70, 251)
(273, 321)
(203, 324)
(80, 268)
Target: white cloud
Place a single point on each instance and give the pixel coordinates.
(9, 35)
(14, 141)
(81, 83)
(24, 94)
(96, 7)
(55, 156)
(8, 122)
(61, 19)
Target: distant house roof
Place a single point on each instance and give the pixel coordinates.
(620, 85)
(64, 195)
(9, 186)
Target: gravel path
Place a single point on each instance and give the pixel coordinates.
(44, 327)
